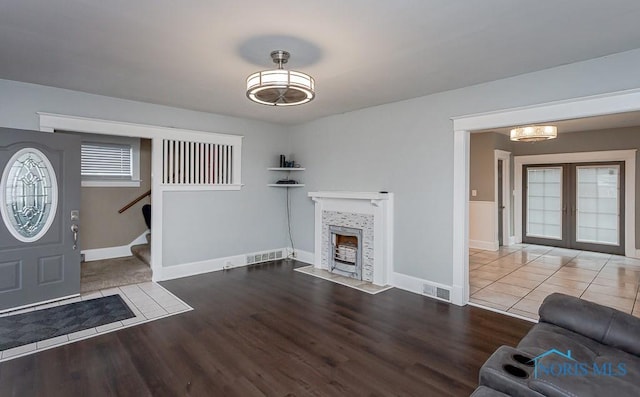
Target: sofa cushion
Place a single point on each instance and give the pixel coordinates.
(600, 323)
(483, 391)
(543, 337)
(588, 353)
(586, 386)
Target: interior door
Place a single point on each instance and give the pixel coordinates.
(500, 204)
(578, 206)
(598, 207)
(544, 205)
(39, 202)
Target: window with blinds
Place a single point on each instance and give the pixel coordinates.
(110, 161)
(106, 160)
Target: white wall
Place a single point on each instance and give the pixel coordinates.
(407, 148)
(198, 226)
(482, 225)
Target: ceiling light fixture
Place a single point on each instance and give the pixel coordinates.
(280, 87)
(534, 133)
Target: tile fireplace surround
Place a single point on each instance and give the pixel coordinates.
(372, 212)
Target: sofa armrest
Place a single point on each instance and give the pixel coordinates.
(600, 323)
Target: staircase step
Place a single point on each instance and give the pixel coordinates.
(142, 252)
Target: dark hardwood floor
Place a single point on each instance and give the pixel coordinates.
(267, 330)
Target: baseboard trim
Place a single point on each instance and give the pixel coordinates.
(415, 285)
(305, 256)
(402, 281)
(484, 245)
(457, 296)
(97, 254)
(212, 265)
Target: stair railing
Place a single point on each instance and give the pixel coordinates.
(134, 202)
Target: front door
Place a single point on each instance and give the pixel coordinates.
(39, 202)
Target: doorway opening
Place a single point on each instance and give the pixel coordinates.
(609, 106)
(114, 195)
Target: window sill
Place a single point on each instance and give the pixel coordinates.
(110, 183)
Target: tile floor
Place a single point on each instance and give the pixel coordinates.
(148, 301)
(517, 278)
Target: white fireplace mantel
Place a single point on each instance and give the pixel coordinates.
(378, 204)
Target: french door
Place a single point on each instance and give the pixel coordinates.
(579, 205)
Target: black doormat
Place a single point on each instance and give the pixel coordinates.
(25, 328)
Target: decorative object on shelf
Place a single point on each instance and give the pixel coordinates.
(286, 164)
(287, 182)
(534, 133)
(280, 87)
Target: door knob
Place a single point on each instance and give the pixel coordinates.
(75, 228)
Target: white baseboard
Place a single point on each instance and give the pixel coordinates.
(212, 265)
(484, 245)
(512, 240)
(305, 256)
(97, 254)
(415, 285)
(401, 281)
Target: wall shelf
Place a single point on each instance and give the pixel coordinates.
(287, 170)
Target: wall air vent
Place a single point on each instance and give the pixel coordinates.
(443, 294)
(264, 257)
(436, 292)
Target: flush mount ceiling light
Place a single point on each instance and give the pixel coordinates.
(280, 87)
(534, 133)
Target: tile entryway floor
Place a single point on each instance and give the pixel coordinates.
(148, 301)
(516, 279)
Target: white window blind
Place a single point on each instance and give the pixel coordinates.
(106, 160)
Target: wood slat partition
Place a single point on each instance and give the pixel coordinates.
(197, 163)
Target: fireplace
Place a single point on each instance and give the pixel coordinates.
(345, 255)
(354, 235)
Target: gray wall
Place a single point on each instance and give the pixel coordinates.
(101, 224)
(481, 163)
(407, 148)
(404, 147)
(221, 223)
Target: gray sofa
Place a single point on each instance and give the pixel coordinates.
(578, 348)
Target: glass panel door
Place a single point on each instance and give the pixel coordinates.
(544, 203)
(599, 209)
(577, 206)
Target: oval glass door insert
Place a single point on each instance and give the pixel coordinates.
(29, 195)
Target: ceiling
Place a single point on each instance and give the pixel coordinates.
(196, 54)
